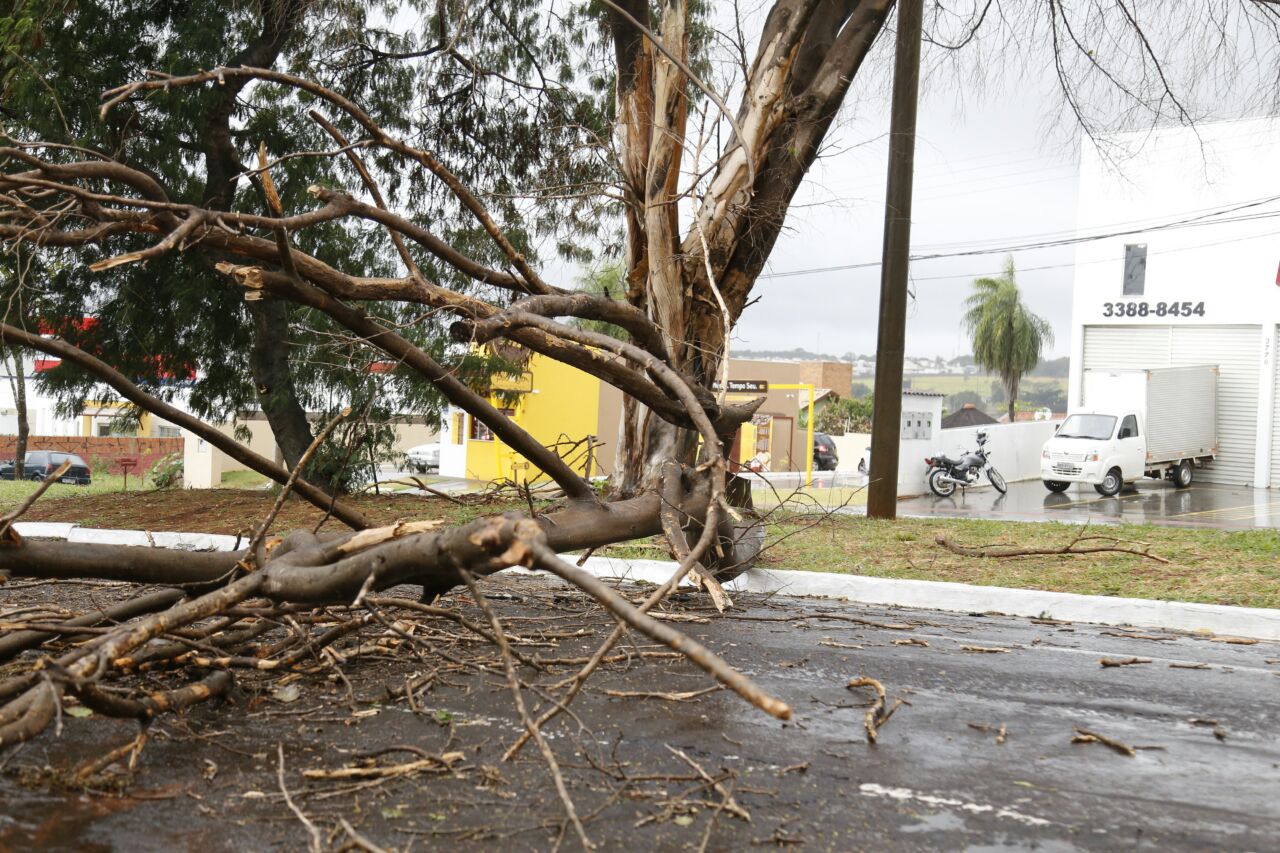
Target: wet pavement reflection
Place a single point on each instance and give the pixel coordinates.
(1150, 502)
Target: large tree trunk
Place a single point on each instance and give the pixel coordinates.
(269, 357)
(273, 380)
(809, 52)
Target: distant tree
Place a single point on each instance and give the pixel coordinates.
(841, 417)
(1007, 337)
(860, 390)
(1050, 397)
(960, 399)
(609, 281)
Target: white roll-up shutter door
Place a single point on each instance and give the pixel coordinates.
(1235, 349)
(1275, 430)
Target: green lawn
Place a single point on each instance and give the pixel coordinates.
(1210, 566)
(242, 480)
(953, 384)
(13, 492)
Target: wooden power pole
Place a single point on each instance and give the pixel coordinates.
(886, 424)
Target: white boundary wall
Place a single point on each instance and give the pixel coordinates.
(1014, 448)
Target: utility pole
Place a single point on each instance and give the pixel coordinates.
(886, 423)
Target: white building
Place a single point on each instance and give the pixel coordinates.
(41, 414)
(1199, 281)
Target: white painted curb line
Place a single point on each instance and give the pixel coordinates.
(1257, 623)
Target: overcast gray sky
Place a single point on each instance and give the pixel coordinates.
(991, 172)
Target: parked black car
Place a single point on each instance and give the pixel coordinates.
(40, 463)
(825, 457)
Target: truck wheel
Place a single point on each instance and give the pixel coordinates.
(1184, 474)
(1056, 486)
(1111, 484)
(939, 486)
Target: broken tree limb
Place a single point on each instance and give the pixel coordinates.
(1002, 552)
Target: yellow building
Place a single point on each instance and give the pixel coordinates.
(559, 405)
(562, 407)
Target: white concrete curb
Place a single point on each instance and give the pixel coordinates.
(139, 538)
(1256, 623)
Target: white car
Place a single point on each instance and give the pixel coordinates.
(423, 458)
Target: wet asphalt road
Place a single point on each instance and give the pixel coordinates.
(1150, 502)
(1209, 778)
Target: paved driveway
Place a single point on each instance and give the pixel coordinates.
(1151, 502)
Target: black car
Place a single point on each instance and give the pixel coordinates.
(41, 463)
(825, 457)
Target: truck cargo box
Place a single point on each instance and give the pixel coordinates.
(1179, 406)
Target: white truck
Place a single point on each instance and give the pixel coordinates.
(1161, 422)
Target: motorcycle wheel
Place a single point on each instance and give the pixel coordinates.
(996, 480)
(940, 487)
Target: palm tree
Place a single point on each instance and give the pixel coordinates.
(1007, 338)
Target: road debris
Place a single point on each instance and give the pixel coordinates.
(1001, 733)
(1109, 662)
(989, 650)
(876, 715)
(1086, 736)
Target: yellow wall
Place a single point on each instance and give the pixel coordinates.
(563, 405)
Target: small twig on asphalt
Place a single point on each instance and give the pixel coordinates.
(359, 840)
(988, 650)
(1131, 636)
(132, 749)
(1001, 732)
(658, 694)
(1086, 736)
(513, 681)
(876, 715)
(730, 804)
(317, 842)
(1107, 662)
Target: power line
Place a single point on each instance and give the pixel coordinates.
(1194, 221)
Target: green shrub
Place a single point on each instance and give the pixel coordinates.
(167, 471)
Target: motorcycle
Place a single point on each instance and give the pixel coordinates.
(945, 473)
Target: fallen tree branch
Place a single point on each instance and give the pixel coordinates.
(1002, 552)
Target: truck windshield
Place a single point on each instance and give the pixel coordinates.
(1097, 427)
